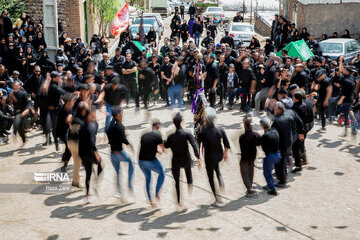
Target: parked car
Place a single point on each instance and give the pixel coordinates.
(241, 32)
(133, 13)
(336, 47)
(134, 30)
(156, 15)
(214, 12)
(154, 22)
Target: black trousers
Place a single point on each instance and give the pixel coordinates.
(51, 123)
(67, 154)
(247, 172)
(322, 113)
(280, 168)
(5, 124)
(212, 96)
(296, 150)
(133, 90)
(176, 174)
(210, 168)
(88, 164)
(165, 91)
(19, 126)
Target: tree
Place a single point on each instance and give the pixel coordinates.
(104, 10)
(14, 8)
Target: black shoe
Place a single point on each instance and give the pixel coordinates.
(272, 192)
(57, 146)
(63, 169)
(250, 192)
(280, 185)
(297, 169)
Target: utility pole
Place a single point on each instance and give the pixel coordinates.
(251, 11)
(243, 9)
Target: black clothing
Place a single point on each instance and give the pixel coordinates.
(206, 41)
(116, 136)
(212, 73)
(129, 65)
(213, 30)
(54, 95)
(87, 141)
(269, 76)
(347, 88)
(324, 84)
(228, 39)
(300, 78)
(197, 27)
(246, 77)
(248, 142)
(287, 125)
(178, 142)
(117, 63)
(115, 97)
(211, 137)
(270, 141)
(22, 101)
(148, 145)
(238, 19)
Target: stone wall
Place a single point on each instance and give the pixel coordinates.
(262, 26)
(70, 11)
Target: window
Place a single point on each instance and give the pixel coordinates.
(242, 28)
(331, 47)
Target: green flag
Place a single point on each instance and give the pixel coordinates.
(140, 47)
(298, 49)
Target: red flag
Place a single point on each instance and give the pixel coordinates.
(121, 20)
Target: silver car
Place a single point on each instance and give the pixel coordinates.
(336, 47)
(241, 32)
(214, 13)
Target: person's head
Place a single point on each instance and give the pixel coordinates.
(16, 74)
(4, 13)
(143, 64)
(247, 122)
(89, 79)
(16, 86)
(105, 57)
(279, 108)
(320, 74)
(70, 81)
(79, 72)
(284, 52)
(222, 58)
(54, 76)
(299, 67)
(84, 90)
(297, 96)
(304, 30)
(3, 100)
(239, 14)
(282, 93)
(324, 36)
(293, 88)
(208, 33)
(117, 113)
(210, 115)
(246, 63)
(2, 69)
(117, 52)
(156, 124)
(346, 32)
(128, 57)
(210, 58)
(166, 59)
(177, 119)
(311, 37)
(335, 34)
(231, 68)
(37, 70)
(269, 62)
(265, 123)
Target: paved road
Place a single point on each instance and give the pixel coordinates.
(321, 202)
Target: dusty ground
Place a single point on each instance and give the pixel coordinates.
(321, 202)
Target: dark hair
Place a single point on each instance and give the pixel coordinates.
(116, 110)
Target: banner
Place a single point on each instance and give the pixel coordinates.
(121, 20)
(141, 30)
(298, 49)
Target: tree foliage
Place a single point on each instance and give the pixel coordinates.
(104, 10)
(14, 8)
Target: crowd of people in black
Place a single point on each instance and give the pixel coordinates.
(62, 96)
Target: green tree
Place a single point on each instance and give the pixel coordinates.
(104, 11)
(14, 8)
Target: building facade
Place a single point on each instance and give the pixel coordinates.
(75, 14)
(323, 16)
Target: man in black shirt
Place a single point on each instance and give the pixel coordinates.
(54, 102)
(212, 29)
(322, 85)
(22, 109)
(147, 158)
(33, 87)
(211, 79)
(227, 39)
(146, 81)
(6, 117)
(117, 137)
(166, 79)
(87, 147)
(347, 90)
(248, 142)
(270, 145)
(238, 18)
(289, 126)
(113, 94)
(300, 77)
(178, 142)
(117, 61)
(211, 138)
(129, 75)
(206, 41)
(197, 29)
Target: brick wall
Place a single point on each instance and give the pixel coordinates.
(70, 11)
(262, 26)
